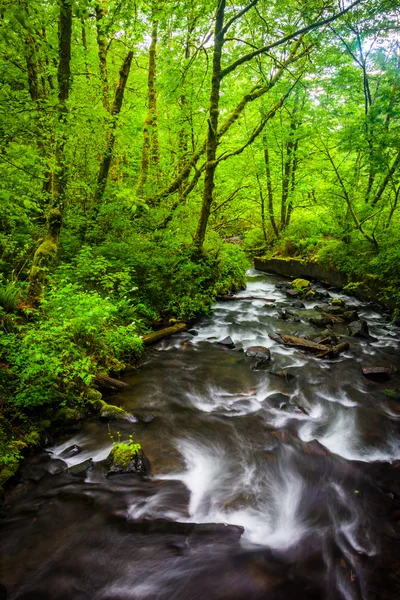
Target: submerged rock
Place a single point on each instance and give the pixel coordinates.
(293, 408)
(283, 374)
(359, 329)
(377, 373)
(128, 459)
(227, 342)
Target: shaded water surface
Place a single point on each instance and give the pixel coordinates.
(250, 497)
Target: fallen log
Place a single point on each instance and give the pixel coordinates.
(224, 298)
(335, 351)
(297, 342)
(151, 338)
(110, 382)
(321, 350)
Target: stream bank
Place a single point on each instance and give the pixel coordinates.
(262, 485)
(368, 289)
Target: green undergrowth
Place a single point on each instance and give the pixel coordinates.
(99, 301)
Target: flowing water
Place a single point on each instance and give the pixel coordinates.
(250, 497)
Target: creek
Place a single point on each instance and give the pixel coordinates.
(250, 496)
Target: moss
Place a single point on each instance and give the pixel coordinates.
(43, 258)
(122, 454)
(110, 411)
(67, 415)
(392, 393)
(337, 302)
(300, 284)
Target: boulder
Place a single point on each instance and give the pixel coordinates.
(377, 373)
(261, 354)
(126, 459)
(322, 321)
(81, 469)
(227, 342)
(71, 451)
(337, 302)
(110, 412)
(297, 304)
(359, 329)
(293, 293)
(146, 418)
(350, 316)
(300, 284)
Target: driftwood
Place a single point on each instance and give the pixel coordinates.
(335, 351)
(224, 298)
(151, 338)
(109, 382)
(320, 350)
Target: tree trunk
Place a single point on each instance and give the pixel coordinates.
(101, 12)
(150, 149)
(270, 192)
(212, 138)
(63, 78)
(105, 164)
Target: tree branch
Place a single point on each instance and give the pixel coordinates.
(285, 39)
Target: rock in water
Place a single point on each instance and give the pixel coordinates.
(128, 459)
(71, 451)
(227, 342)
(300, 284)
(284, 375)
(81, 469)
(259, 352)
(337, 302)
(377, 373)
(359, 329)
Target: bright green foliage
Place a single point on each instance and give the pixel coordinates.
(306, 164)
(300, 284)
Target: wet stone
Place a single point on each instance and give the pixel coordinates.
(298, 304)
(82, 468)
(227, 342)
(377, 373)
(261, 353)
(359, 329)
(283, 374)
(71, 451)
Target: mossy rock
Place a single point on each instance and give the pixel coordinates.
(337, 302)
(110, 412)
(300, 284)
(128, 458)
(310, 294)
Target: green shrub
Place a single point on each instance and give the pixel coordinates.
(58, 356)
(8, 297)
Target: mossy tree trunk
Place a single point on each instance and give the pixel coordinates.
(150, 148)
(105, 164)
(212, 137)
(47, 251)
(43, 258)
